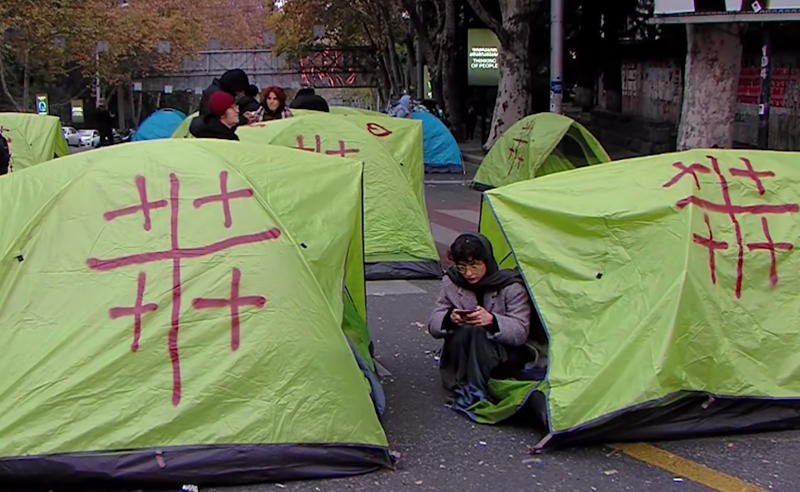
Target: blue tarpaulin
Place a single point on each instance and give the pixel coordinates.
(440, 148)
(160, 124)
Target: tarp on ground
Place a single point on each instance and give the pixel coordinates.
(397, 238)
(657, 281)
(538, 145)
(442, 154)
(172, 313)
(161, 124)
(32, 138)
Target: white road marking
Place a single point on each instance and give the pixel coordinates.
(443, 235)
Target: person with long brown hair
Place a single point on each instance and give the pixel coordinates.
(275, 104)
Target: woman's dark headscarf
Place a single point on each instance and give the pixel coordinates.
(496, 278)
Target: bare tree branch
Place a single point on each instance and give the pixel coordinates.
(4, 84)
(493, 22)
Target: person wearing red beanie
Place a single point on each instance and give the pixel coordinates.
(221, 120)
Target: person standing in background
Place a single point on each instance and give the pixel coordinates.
(105, 124)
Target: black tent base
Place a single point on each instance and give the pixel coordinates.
(692, 417)
(403, 270)
(482, 187)
(198, 465)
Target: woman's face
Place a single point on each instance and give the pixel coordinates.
(473, 271)
(231, 116)
(273, 103)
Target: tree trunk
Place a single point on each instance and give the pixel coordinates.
(26, 82)
(386, 84)
(589, 43)
(614, 21)
(513, 96)
(411, 59)
(449, 60)
(713, 63)
(121, 107)
(513, 61)
(4, 84)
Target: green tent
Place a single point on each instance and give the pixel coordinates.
(32, 138)
(657, 281)
(538, 145)
(397, 238)
(173, 313)
(401, 137)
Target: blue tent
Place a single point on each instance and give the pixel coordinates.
(441, 151)
(160, 124)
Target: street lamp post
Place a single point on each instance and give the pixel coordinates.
(100, 47)
(556, 54)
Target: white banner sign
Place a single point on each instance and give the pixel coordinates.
(667, 7)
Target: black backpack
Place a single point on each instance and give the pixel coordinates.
(5, 156)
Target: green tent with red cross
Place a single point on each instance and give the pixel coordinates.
(536, 146)
(185, 311)
(666, 290)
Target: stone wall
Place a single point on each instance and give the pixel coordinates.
(653, 91)
(626, 135)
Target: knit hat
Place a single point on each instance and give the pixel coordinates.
(219, 102)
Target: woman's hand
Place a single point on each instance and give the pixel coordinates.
(480, 317)
(456, 319)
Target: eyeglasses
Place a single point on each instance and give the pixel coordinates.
(473, 266)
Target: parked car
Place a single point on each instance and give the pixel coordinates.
(90, 138)
(71, 135)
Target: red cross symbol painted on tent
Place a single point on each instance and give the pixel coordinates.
(144, 206)
(342, 151)
(137, 310)
(712, 245)
(748, 172)
(317, 144)
(770, 246)
(225, 197)
(176, 255)
(234, 303)
(516, 154)
(735, 212)
(692, 171)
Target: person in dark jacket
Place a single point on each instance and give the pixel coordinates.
(307, 98)
(221, 122)
(105, 124)
(249, 106)
(234, 82)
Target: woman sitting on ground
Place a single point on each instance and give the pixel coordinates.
(221, 121)
(483, 314)
(275, 105)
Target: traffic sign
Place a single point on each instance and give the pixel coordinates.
(42, 106)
